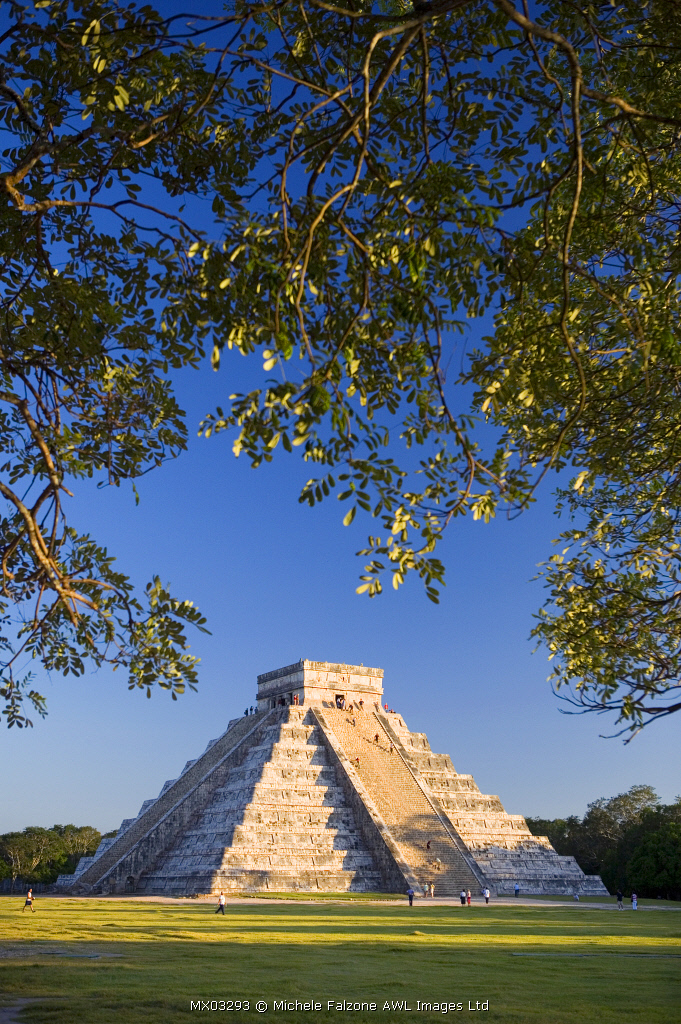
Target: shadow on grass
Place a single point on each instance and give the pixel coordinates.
(166, 957)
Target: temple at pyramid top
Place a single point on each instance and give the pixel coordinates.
(319, 682)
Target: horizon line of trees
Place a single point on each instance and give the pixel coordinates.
(42, 854)
(632, 840)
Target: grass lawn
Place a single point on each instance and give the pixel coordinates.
(105, 961)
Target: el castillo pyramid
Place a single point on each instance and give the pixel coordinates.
(323, 789)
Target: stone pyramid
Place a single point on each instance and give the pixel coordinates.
(322, 789)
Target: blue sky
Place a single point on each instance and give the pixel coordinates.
(277, 582)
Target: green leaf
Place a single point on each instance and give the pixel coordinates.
(349, 516)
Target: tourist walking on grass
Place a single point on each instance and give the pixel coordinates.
(486, 894)
(29, 902)
(462, 897)
(620, 900)
(221, 905)
(634, 901)
(410, 894)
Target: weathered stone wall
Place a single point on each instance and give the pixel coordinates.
(318, 682)
(279, 822)
(504, 849)
(146, 837)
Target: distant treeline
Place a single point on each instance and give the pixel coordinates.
(40, 854)
(632, 841)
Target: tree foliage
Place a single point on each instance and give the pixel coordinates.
(450, 231)
(631, 840)
(83, 358)
(41, 854)
(655, 867)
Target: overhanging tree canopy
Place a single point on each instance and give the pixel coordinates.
(383, 178)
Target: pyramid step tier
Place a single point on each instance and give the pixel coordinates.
(324, 798)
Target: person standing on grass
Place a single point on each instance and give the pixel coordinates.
(516, 889)
(29, 902)
(410, 894)
(221, 905)
(620, 900)
(634, 901)
(486, 894)
(462, 897)
(432, 891)
(468, 897)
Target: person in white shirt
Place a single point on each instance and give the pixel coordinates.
(221, 905)
(486, 893)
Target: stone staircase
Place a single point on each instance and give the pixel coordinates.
(480, 819)
(503, 846)
(280, 822)
(404, 807)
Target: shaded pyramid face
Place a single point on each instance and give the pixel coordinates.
(310, 795)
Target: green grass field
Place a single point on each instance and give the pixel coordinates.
(105, 961)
